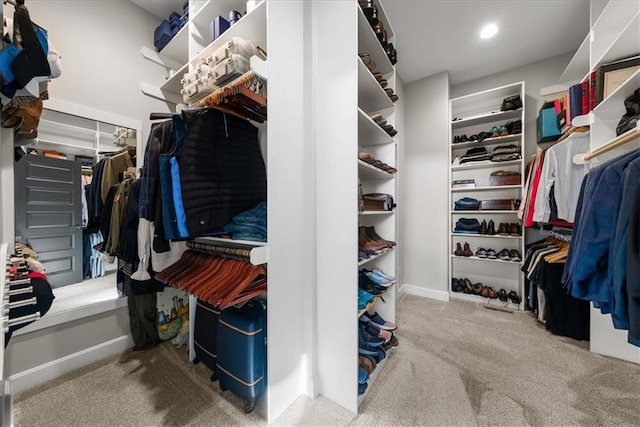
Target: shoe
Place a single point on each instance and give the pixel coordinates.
(393, 342)
(458, 251)
(363, 376)
(503, 131)
(370, 340)
(502, 295)
(477, 288)
(380, 333)
(511, 103)
(378, 321)
(481, 253)
(503, 229)
(365, 363)
(491, 254)
(368, 61)
(495, 132)
(365, 350)
(492, 293)
(456, 139)
(466, 251)
(468, 286)
(514, 298)
(491, 230)
(362, 388)
(504, 255)
(383, 274)
(485, 292)
(515, 256)
(483, 227)
(392, 133)
(513, 229)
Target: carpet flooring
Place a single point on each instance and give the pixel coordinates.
(457, 364)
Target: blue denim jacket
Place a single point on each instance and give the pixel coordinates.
(597, 225)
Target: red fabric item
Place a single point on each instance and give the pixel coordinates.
(37, 275)
(561, 223)
(528, 220)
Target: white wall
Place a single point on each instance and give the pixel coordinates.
(425, 165)
(100, 42)
(424, 182)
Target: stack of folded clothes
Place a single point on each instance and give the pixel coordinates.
(477, 154)
(467, 204)
(370, 243)
(467, 226)
(375, 338)
(505, 153)
(249, 225)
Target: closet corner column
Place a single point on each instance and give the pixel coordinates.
(7, 211)
(291, 211)
(335, 125)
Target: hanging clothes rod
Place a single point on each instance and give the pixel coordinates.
(623, 139)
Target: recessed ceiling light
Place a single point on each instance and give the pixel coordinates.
(488, 31)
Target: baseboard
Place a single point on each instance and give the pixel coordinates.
(51, 370)
(425, 292)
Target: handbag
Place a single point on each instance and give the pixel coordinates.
(630, 119)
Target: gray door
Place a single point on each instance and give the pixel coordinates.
(49, 215)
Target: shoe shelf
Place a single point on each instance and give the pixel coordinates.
(612, 107)
(483, 212)
(485, 236)
(487, 118)
(496, 303)
(489, 141)
(488, 188)
(376, 212)
(366, 171)
(369, 133)
(369, 43)
(485, 165)
(475, 258)
(259, 250)
(374, 257)
(371, 96)
(374, 376)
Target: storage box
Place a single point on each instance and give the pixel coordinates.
(548, 124)
(162, 35)
(218, 26)
(505, 180)
(497, 205)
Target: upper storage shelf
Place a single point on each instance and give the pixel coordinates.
(369, 133)
(484, 107)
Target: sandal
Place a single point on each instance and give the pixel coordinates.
(513, 296)
(485, 292)
(492, 293)
(468, 286)
(502, 295)
(478, 288)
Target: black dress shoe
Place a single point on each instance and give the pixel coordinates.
(491, 231)
(483, 227)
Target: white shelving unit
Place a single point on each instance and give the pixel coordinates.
(614, 34)
(472, 114)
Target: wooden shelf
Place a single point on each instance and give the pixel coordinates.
(369, 133)
(487, 118)
(483, 165)
(366, 171)
(371, 96)
(489, 188)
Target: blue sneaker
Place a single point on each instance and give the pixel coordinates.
(383, 274)
(364, 299)
(379, 280)
(365, 350)
(371, 340)
(363, 377)
(379, 322)
(362, 388)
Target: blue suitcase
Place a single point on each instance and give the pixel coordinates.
(242, 351)
(205, 335)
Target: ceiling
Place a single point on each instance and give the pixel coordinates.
(439, 35)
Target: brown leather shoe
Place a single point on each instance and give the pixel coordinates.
(513, 229)
(485, 292)
(467, 250)
(492, 293)
(366, 364)
(458, 251)
(503, 229)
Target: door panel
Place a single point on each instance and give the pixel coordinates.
(49, 215)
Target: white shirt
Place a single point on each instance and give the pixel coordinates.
(559, 169)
